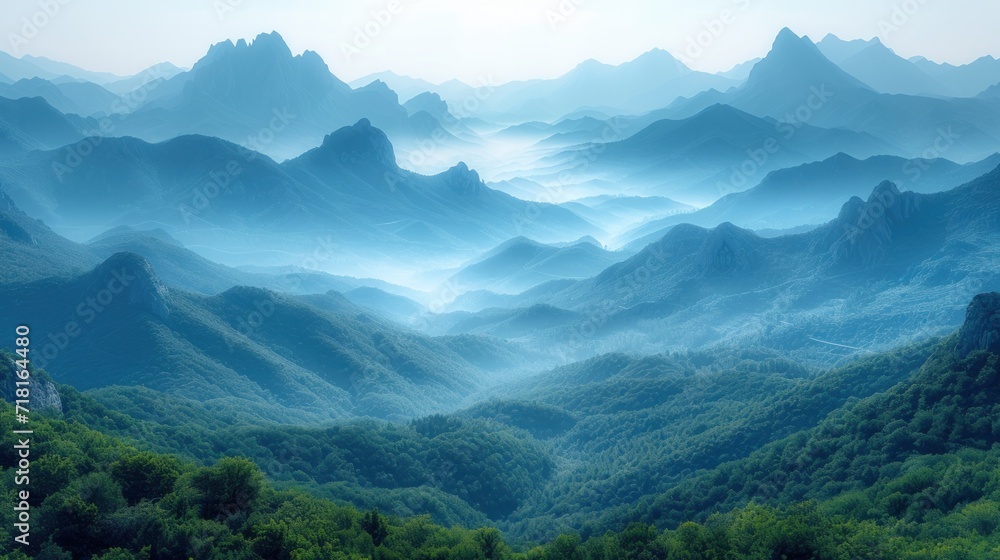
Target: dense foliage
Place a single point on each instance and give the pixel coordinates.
(893, 457)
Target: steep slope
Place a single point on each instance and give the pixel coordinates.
(30, 251)
(286, 359)
(921, 427)
(991, 92)
(32, 124)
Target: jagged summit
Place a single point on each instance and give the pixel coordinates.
(360, 142)
(462, 179)
(265, 42)
(786, 37)
(981, 330)
(866, 228)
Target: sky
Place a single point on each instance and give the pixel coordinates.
(476, 40)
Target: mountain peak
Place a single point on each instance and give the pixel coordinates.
(795, 63)
(865, 230)
(786, 36)
(462, 179)
(728, 249)
(361, 142)
(981, 330)
(129, 273)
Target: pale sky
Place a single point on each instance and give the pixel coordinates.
(471, 39)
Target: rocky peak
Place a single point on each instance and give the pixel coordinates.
(463, 180)
(865, 228)
(361, 142)
(136, 278)
(727, 250)
(981, 330)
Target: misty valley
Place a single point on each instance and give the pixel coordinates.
(249, 310)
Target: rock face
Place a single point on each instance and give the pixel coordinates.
(361, 142)
(136, 275)
(728, 250)
(44, 395)
(464, 181)
(868, 227)
(981, 330)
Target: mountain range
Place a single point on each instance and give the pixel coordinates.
(200, 188)
(813, 193)
(890, 269)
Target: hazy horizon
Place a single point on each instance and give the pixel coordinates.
(439, 40)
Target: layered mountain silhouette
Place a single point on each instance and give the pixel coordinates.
(696, 160)
(79, 98)
(33, 124)
(880, 68)
(521, 264)
(201, 188)
(813, 193)
(119, 325)
(890, 268)
(259, 94)
(797, 84)
(966, 80)
(650, 81)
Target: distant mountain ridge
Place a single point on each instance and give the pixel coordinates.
(813, 193)
(350, 188)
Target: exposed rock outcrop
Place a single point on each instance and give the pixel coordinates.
(44, 396)
(868, 227)
(981, 330)
(361, 142)
(131, 274)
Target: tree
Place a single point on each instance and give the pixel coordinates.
(145, 475)
(490, 542)
(374, 524)
(228, 488)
